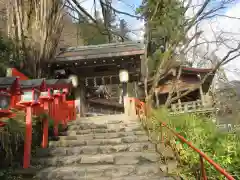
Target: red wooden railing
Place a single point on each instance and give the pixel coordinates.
(141, 112)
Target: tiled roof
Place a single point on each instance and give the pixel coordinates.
(58, 83)
(101, 51)
(51, 81)
(6, 82)
(33, 83)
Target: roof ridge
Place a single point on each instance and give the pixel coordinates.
(109, 45)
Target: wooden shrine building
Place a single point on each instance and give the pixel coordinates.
(97, 65)
(190, 79)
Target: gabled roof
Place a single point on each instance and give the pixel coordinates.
(59, 83)
(33, 83)
(7, 82)
(101, 51)
(50, 82)
(190, 71)
(197, 70)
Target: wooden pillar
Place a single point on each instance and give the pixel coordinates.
(202, 95)
(76, 91)
(179, 102)
(83, 107)
(129, 108)
(201, 91)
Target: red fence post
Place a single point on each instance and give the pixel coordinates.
(45, 125)
(57, 114)
(203, 171)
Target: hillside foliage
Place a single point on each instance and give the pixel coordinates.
(221, 146)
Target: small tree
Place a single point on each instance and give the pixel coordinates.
(169, 25)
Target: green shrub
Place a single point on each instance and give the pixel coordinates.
(12, 141)
(223, 148)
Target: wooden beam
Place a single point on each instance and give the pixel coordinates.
(96, 61)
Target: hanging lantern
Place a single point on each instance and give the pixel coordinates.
(74, 79)
(123, 76)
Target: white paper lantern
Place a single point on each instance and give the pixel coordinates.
(123, 76)
(74, 79)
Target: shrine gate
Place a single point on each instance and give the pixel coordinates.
(98, 65)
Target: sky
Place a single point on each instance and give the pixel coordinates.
(231, 27)
(129, 6)
(211, 27)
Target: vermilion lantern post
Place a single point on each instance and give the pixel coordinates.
(66, 85)
(59, 86)
(57, 110)
(65, 106)
(29, 99)
(46, 98)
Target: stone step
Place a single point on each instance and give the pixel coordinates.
(95, 172)
(113, 141)
(101, 172)
(120, 129)
(96, 149)
(108, 119)
(105, 127)
(74, 177)
(75, 135)
(84, 126)
(126, 158)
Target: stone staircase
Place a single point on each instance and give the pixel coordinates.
(100, 148)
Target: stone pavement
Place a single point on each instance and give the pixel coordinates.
(101, 148)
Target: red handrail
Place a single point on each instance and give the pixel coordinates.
(141, 110)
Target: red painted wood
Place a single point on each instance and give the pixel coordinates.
(57, 114)
(45, 133)
(28, 138)
(17, 73)
(71, 105)
(45, 124)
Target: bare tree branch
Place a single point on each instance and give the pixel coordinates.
(223, 61)
(121, 12)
